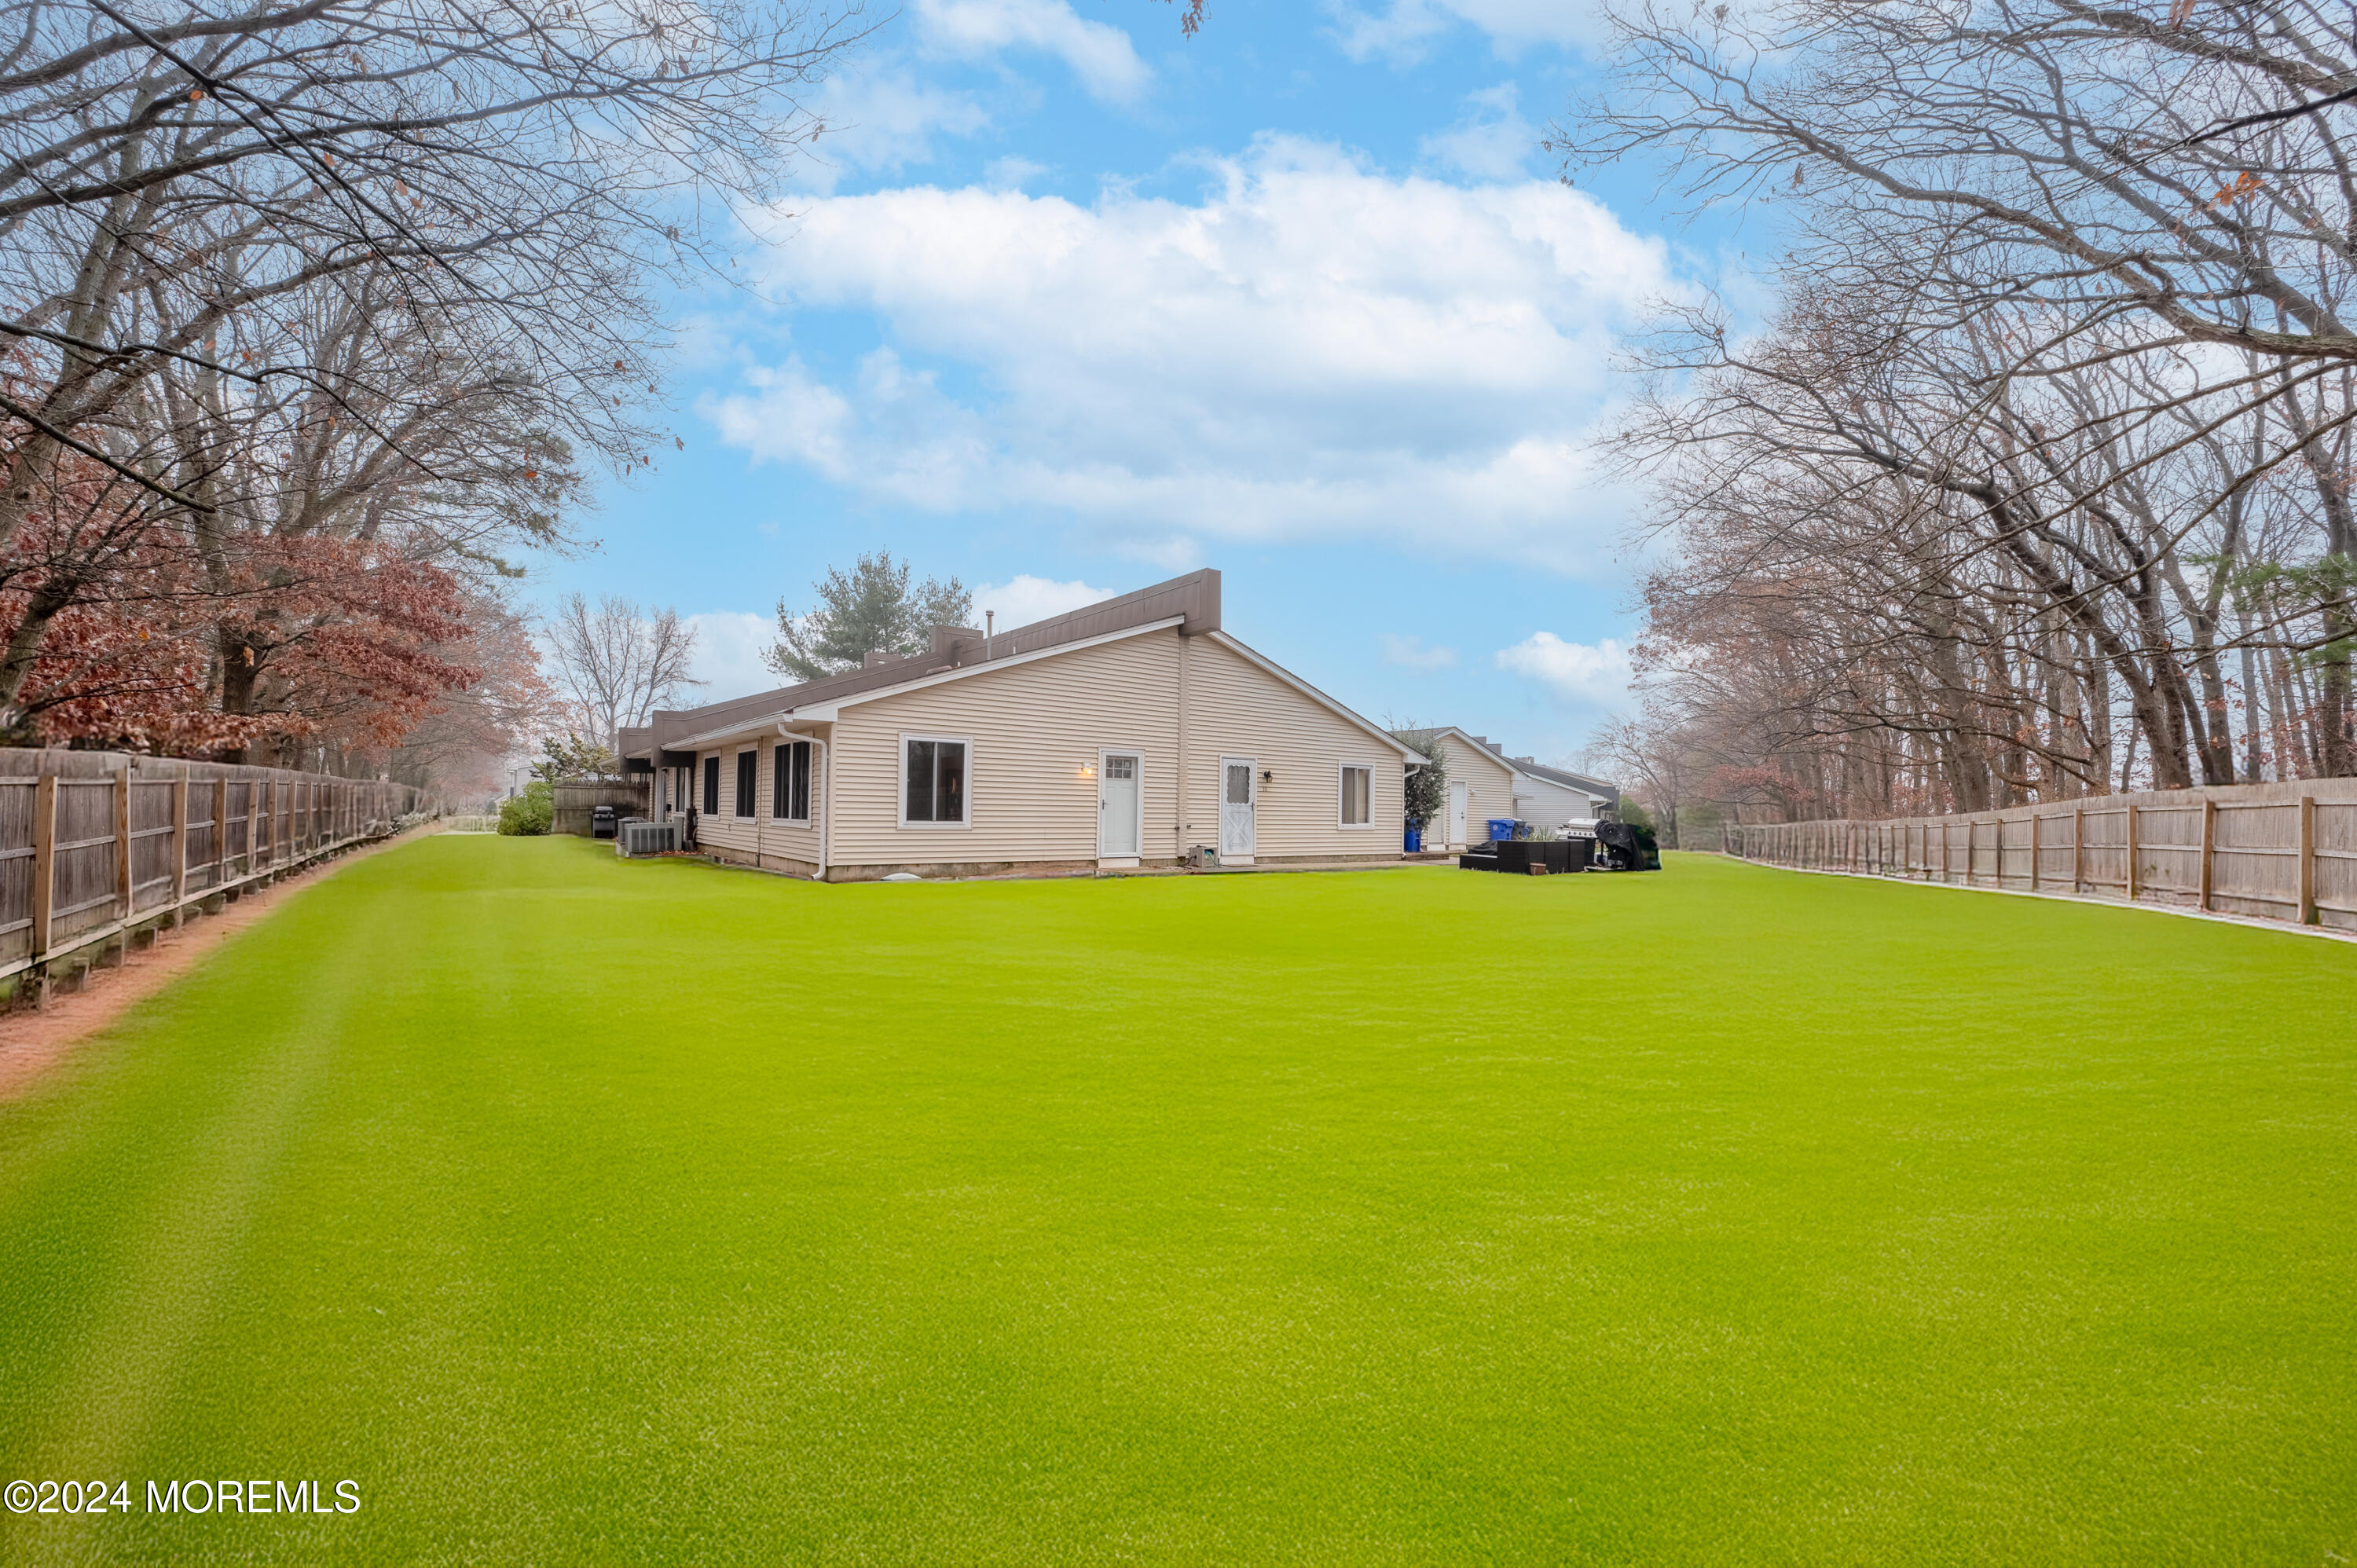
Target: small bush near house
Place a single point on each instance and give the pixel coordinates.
(529, 813)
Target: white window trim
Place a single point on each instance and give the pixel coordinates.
(1341, 770)
(804, 821)
(735, 813)
(1138, 753)
(901, 781)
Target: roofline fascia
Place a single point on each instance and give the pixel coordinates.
(825, 713)
(1516, 768)
(1298, 684)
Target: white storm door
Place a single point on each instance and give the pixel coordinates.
(1236, 790)
(1457, 794)
(1118, 805)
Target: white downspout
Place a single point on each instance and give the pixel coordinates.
(822, 817)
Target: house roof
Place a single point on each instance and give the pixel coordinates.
(1525, 766)
(1190, 603)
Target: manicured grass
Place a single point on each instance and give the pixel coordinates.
(588, 1212)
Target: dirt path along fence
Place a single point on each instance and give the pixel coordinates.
(2280, 852)
(94, 845)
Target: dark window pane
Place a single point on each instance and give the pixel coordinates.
(921, 782)
(711, 785)
(748, 774)
(801, 801)
(781, 779)
(948, 790)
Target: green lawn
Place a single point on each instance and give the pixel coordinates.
(588, 1212)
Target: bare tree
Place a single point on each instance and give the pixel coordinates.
(2040, 476)
(616, 664)
(355, 268)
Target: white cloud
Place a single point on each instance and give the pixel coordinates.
(1491, 142)
(1311, 351)
(1575, 673)
(1025, 598)
(1098, 54)
(882, 121)
(1410, 653)
(1400, 32)
(728, 645)
(1012, 173)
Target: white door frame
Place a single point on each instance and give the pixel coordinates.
(1137, 838)
(1460, 814)
(1252, 781)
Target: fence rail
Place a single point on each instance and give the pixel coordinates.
(2283, 852)
(94, 844)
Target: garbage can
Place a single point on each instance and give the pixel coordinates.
(1502, 827)
(601, 822)
(1414, 844)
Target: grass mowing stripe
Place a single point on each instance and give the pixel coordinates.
(188, 1219)
(650, 1211)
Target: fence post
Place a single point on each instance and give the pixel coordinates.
(2307, 860)
(2078, 846)
(1943, 849)
(179, 838)
(45, 860)
(2033, 850)
(252, 823)
(2209, 848)
(123, 838)
(221, 830)
(2132, 866)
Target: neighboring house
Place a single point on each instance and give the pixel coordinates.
(1480, 786)
(1485, 783)
(1118, 735)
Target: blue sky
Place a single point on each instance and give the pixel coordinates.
(1071, 303)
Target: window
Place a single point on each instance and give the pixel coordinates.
(748, 777)
(790, 782)
(932, 781)
(1357, 784)
(711, 785)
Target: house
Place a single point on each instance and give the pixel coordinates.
(1119, 735)
(1485, 783)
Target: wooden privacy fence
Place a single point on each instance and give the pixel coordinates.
(572, 802)
(94, 844)
(2282, 852)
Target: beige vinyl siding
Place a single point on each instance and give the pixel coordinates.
(759, 839)
(1544, 801)
(1235, 708)
(1492, 791)
(1035, 727)
(1032, 728)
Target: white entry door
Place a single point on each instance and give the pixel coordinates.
(1457, 796)
(1237, 791)
(1118, 806)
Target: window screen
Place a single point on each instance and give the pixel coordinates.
(1357, 782)
(711, 785)
(1239, 784)
(790, 782)
(936, 775)
(748, 774)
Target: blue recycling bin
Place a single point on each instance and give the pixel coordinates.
(1415, 839)
(1502, 827)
